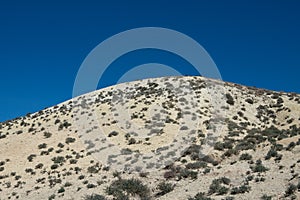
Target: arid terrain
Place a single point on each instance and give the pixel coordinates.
(173, 138)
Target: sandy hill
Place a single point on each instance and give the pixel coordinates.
(166, 138)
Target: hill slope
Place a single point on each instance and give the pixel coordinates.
(165, 138)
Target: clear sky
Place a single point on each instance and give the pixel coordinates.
(43, 43)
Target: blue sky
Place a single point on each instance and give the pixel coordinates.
(42, 44)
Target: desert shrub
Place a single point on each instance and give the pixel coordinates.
(47, 134)
(90, 185)
(193, 151)
(206, 170)
(200, 196)
(93, 169)
(54, 166)
(271, 132)
(31, 129)
(196, 165)
(245, 145)
(240, 190)
(114, 133)
(290, 190)
(231, 152)
(39, 166)
(70, 140)
(250, 101)
(51, 197)
(131, 141)
(271, 153)
(116, 174)
(230, 100)
(219, 146)
(61, 190)
(63, 125)
(68, 184)
(42, 146)
(266, 197)
(169, 174)
(58, 160)
(123, 188)
(245, 156)
(259, 167)
(30, 157)
(94, 197)
(50, 149)
(81, 177)
(73, 161)
(228, 198)
(164, 188)
(249, 178)
(185, 173)
(291, 146)
(217, 186)
(60, 145)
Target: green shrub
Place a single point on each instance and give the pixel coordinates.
(90, 185)
(266, 197)
(200, 196)
(70, 140)
(230, 100)
(196, 165)
(291, 146)
(271, 153)
(93, 169)
(30, 157)
(290, 190)
(123, 188)
(230, 152)
(131, 141)
(51, 197)
(61, 190)
(58, 160)
(217, 186)
(54, 166)
(240, 190)
(42, 146)
(39, 166)
(259, 167)
(246, 145)
(185, 173)
(47, 134)
(94, 197)
(114, 133)
(245, 156)
(165, 188)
